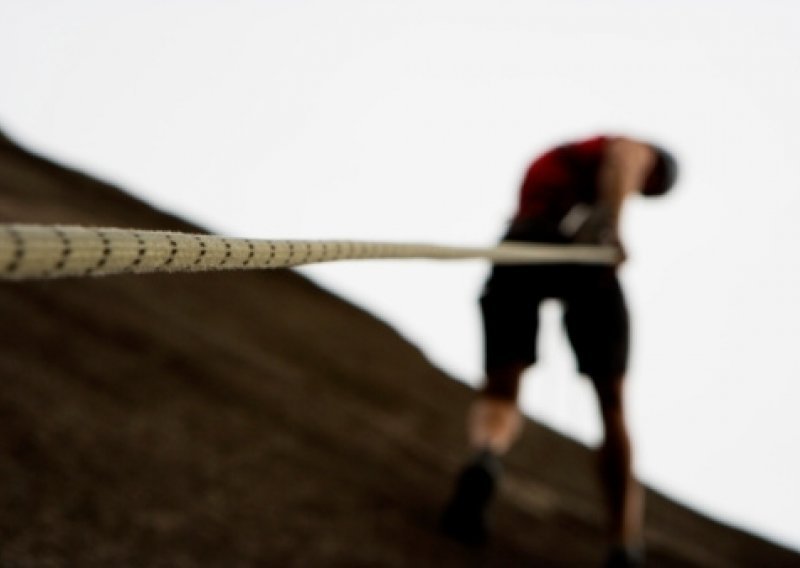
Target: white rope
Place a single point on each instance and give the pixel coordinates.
(39, 251)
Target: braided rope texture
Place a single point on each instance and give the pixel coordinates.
(52, 251)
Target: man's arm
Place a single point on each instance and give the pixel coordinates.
(624, 170)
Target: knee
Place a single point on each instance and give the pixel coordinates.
(503, 383)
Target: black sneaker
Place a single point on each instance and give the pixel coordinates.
(463, 518)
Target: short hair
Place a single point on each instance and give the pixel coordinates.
(664, 174)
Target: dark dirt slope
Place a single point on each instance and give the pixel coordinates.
(252, 419)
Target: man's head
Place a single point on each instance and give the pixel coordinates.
(664, 174)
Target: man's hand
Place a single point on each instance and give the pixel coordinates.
(598, 227)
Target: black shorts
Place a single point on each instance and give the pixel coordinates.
(595, 316)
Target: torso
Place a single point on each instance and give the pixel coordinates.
(559, 179)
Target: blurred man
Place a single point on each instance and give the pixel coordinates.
(573, 194)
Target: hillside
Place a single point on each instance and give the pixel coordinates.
(254, 419)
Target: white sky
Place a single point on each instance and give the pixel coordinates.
(414, 120)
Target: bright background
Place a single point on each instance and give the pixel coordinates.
(415, 120)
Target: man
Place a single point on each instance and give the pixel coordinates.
(572, 194)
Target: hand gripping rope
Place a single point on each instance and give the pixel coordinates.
(38, 251)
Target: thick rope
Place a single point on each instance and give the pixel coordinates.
(38, 251)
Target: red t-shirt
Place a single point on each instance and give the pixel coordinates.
(561, 178)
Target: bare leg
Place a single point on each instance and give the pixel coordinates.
(494, 421)
(493, 426)
(624, 495)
